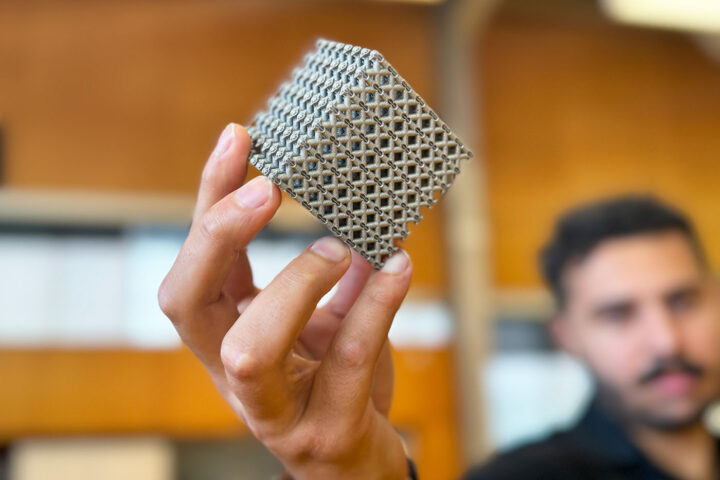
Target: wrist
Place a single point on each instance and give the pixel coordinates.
(381, 455)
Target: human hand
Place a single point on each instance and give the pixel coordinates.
(314, 385)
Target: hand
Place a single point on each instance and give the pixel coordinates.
(314, 385)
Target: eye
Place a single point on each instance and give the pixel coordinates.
(681, 302)
(616, 314)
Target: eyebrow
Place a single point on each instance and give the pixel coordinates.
(687, 289)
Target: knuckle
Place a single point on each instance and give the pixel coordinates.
(316, 441)
(211, 224)
(208, 171)
(240, 365)
(307, 277)
(353, 354)
(167, 300)
(296, 450)
(265, 436)
(383, 296)
(298, 278)
(312, 442)
(292, 445)
(330, 444)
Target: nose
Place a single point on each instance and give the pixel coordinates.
(662, 332)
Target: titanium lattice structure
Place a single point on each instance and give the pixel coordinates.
(350, 140)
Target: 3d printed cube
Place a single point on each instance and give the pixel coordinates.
(352, 142)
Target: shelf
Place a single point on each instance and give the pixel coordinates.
(62, 392)
(88, 208)
(533, 304)
(119, 209)
(52, 392)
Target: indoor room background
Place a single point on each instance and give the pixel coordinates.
(109, 109)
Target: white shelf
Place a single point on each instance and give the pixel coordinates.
(523, 304)
(93, 208)
(117, 209)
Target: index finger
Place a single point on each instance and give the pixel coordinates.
(224, 172)
(198, 276)
(225, 169)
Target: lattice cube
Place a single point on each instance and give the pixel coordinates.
(350, 140)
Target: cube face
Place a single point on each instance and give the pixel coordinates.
(350, 140)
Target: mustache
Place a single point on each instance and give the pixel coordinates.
(663, 366)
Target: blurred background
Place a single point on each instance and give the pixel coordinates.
(108, 110)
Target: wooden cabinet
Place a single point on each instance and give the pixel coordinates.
(81, 392)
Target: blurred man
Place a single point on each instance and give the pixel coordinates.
(639, 307)
(636, 304)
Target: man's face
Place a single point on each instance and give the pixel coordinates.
(644, 315)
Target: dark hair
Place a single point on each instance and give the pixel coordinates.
(581, 229)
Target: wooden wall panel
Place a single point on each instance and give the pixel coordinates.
(425, 409)
(82, 392)
(574, 110)
(131, 95)
(65, 392)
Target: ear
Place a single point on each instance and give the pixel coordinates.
(714, 290)
(716, 286)
(563, 333)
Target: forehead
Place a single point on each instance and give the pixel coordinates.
(631, 266)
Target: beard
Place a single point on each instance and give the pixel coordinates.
(612, 402)
(655, 417)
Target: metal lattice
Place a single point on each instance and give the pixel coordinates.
(350, 140)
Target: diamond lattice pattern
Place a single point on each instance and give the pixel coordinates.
(350, 140)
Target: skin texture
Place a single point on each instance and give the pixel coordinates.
(643, 313)
(314, 385)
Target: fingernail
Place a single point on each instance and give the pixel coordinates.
(398, 263)
(227, 137)
(330, 248)
(254, 193)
